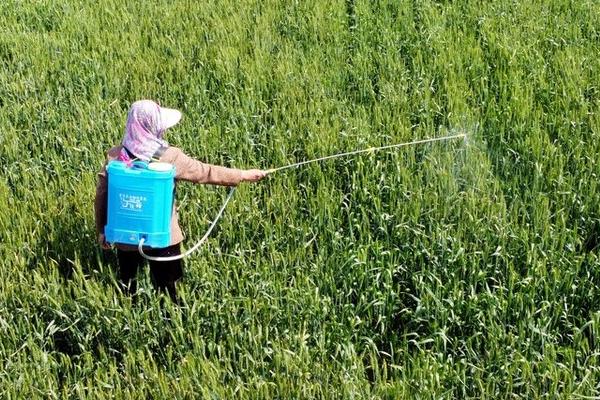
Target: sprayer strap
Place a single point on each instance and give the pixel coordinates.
(130, 154)
(155, 157)
(159, 153)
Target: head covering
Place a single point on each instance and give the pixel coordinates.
(145, 127)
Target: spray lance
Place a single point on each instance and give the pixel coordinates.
(282, 168)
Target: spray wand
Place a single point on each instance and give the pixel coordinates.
(294, 165)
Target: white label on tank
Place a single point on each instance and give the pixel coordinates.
(132, 202)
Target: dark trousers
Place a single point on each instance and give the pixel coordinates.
(164, 273)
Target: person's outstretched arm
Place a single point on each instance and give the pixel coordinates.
(190, 169)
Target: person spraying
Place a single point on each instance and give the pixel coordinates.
(143, 140)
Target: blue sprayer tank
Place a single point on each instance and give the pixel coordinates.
(140, 203)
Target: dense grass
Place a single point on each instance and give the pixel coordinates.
(441, 271)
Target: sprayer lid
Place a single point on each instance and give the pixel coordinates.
(160, 166)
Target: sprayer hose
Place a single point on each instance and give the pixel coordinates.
(270, 171)
(200, 242)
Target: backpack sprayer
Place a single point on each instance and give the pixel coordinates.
(140, 200)
(140, 203)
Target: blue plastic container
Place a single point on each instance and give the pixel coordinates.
(140, 203)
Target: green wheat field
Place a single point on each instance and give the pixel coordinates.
(449, 270)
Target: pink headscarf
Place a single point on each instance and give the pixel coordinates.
(145, 127)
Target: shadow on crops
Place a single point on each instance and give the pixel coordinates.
(70, 245)
(592, 238)
(80, 333)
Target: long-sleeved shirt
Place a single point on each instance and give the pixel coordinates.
(186, 169)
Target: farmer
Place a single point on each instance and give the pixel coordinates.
(143, 140)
